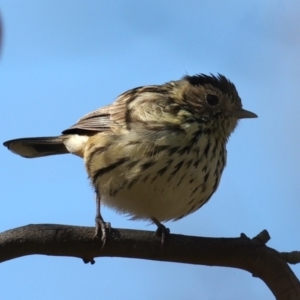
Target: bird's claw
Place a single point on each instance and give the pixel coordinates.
(162, 232)
(102, 228)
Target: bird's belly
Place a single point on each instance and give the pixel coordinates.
(167, 190)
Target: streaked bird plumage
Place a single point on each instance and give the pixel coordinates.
(158, 152)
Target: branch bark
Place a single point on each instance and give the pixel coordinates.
(244, 253)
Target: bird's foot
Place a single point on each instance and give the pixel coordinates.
(162, 231)
(102, 228)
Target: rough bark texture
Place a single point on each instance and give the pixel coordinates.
(251, 255)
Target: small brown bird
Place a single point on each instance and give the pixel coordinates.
(157, 153)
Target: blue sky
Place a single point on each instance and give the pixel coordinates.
(62, 59)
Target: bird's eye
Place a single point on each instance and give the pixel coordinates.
(212, 100)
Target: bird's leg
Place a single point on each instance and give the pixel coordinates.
(161, 231)
(101, 226)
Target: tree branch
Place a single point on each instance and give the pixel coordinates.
(247, 254)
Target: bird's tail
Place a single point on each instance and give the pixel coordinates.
(37, 146)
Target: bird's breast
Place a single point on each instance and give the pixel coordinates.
(160, 180)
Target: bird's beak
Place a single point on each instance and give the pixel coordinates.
(242, 114)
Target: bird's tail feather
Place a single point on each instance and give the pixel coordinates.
(37, 146)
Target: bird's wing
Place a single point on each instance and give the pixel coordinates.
(97, 120)
(118, 114)
(104, 118)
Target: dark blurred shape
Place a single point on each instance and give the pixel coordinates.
(1, 33)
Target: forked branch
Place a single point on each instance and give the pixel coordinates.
(244, 253)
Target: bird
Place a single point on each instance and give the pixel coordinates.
(157, 153)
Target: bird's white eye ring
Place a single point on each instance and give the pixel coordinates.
(212, 100)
